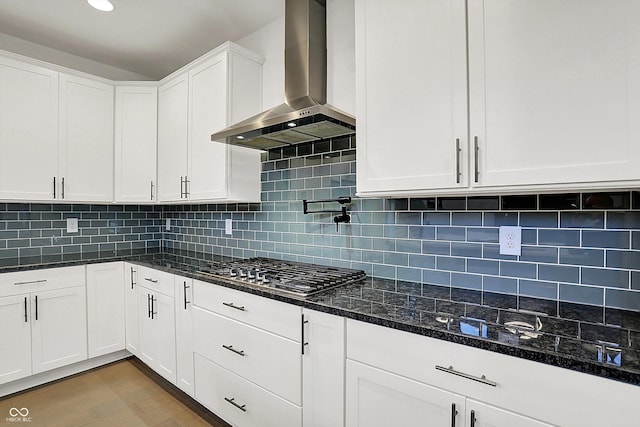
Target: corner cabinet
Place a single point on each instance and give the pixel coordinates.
(549, 105)
(217, 90)
(136, 122)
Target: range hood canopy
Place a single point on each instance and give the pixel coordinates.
(305, 116)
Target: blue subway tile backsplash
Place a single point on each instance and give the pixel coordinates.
(577, 247)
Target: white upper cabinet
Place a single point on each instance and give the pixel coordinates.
(173, 106)
(212, 93)
(86, 140)
(411, 98)
(28, 131)
(136, 118)
(553, 88)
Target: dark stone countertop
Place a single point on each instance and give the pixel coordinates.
(592, 340)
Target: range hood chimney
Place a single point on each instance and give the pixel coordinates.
(305, 116)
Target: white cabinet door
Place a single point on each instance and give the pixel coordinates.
(105, 308)
(208, 102)
(377, 398)
(136, 115)
(184, 334)
(147, 339)
(15, 338)
(411, 97)
(323, 369)
(173, 104)
(59, 327)
(484, 415)
(131, 308)
(86, 140)
(554, 91)
(156, 326)
(28, 131)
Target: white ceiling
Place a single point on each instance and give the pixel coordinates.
(151, 38)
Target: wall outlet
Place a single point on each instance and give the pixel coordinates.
(72, 225)
(510, 240)
(167, 224)
(228, 226)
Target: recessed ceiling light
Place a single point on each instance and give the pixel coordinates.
(103, 5)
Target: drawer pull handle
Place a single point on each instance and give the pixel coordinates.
(481, 379)
(230, 348)
(148, 279)
(232, 305)
(31, 282)
(232, 401)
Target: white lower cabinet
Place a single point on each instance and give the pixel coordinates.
(105, 308)
(323, 362)
(248, 369)
(378, 398)
(15, 337)
(44, 321)
(156, 322)
(184, 334)
(240, 402)
(131, 307)
(514, 392)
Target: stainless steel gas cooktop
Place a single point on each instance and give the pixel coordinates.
(297, 278)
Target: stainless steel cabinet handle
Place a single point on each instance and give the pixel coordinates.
(25, 310)
(30, 282)
(153, 307)
(303, 343)
(185, 294)
(54, 187)
(230, 304)
(36, 307)
(62, 192)
(232, 401)
(186, 186)
(151, 190)
(149, 306)
(458, 150)
(454, 414)
(230, 348)
(477, 155)
(473, 418)
(149, 279)
(132, 281)
(481, 379)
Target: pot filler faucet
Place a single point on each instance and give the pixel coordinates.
(343, 217)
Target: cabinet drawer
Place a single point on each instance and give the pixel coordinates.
(21, 282)
(273, 316)
(225, 393)
(154, 279)
(526, 387)
(271, 361)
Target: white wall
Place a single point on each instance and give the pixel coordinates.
(269, 42)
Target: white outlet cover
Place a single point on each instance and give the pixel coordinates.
(510, 240)
(228, 226)
(72, 225)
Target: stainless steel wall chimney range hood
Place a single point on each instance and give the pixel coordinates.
(305, 116)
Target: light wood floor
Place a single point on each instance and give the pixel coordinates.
(119, 394)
